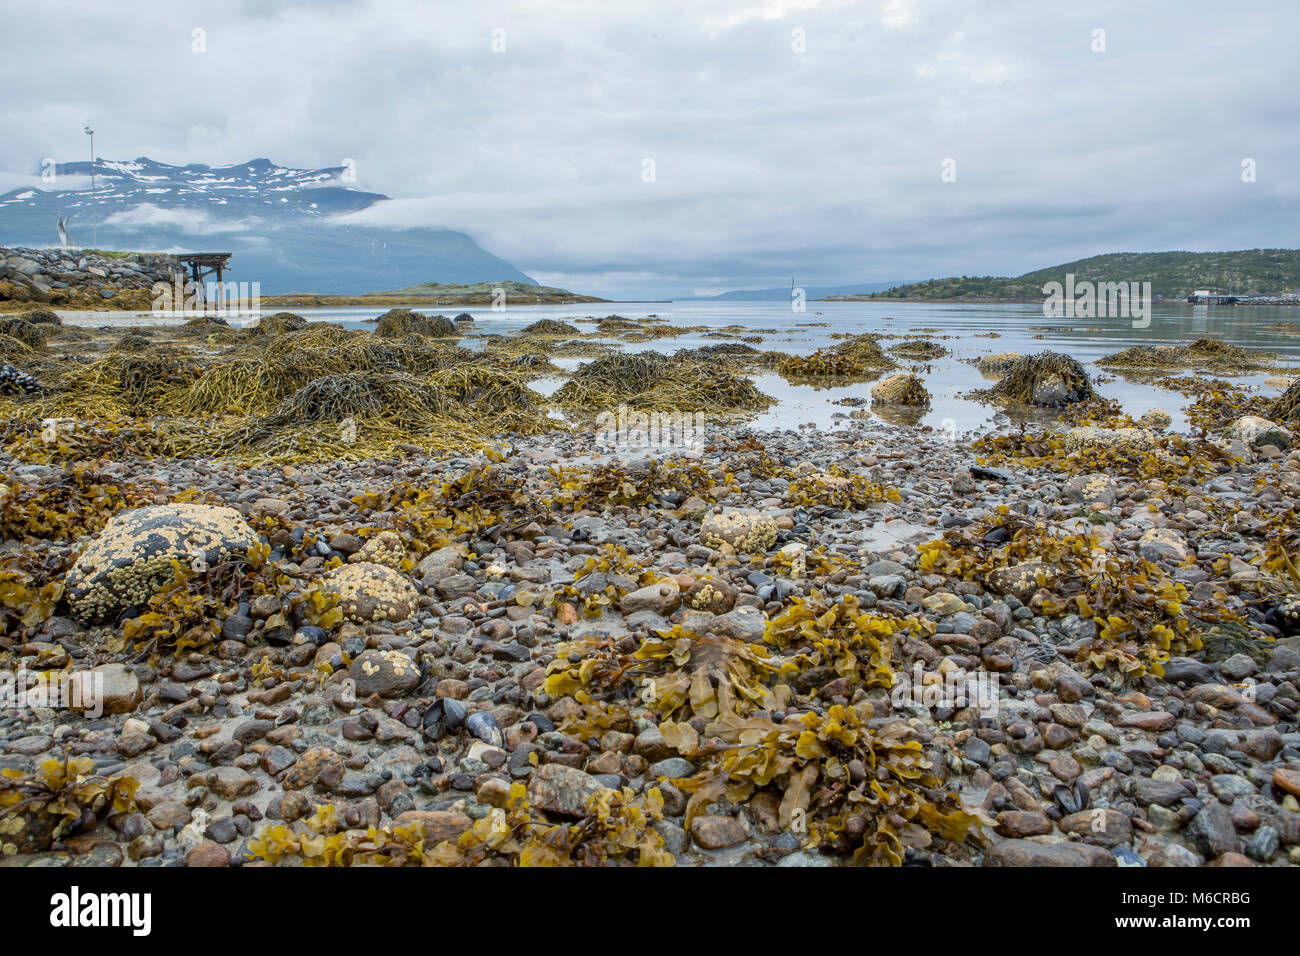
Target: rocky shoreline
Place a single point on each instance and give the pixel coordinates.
(276, 596)
(237, 746)
(81, 279)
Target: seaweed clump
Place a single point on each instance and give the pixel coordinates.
(550, 327)
(1209, 354)
(1286, 408)
(1144, 615)
(848, 781)
(652, 380)
(279, 323)
(32, 334)
(920, 349)
(396, 323)
(1048, 378)
(63, 798)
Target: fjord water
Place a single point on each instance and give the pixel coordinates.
(962, 328)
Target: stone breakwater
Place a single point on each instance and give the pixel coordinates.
(536, 643)
(78, 279)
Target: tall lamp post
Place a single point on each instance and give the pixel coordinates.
(94, 231)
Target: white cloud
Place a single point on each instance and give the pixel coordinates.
(147, 215)
(824, 164)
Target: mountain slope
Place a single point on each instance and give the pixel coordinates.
(1171, 274)
(281, 224)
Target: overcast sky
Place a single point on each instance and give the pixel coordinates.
(789, 138)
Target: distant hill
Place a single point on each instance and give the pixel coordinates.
(1171, 274)
(287, 227)
(783, 294)
(426, 294)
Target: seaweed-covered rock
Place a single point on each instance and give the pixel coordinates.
(549, 327)
(739, 531)
(281, 322)
(1048, 378)
(132, 557)
(1287, 406)
(920, 349)
(998, 362)
(43, 317)
(901, 389)
(463, 320)
(371, 592)
(31, 334)
(396, 323)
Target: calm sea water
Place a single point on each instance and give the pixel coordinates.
(960, 327)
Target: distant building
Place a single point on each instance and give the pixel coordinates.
(1206, 297)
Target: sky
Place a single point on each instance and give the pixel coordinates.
(663, 148)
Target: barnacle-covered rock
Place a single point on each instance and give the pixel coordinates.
(371, 592)
(385, 548)
(132, 557)
(1023, 579)
(739, 531)
(1157, 419)
(386, 673)
(1090, 489)
(1285, 614)
(1164, 544)
(1088, 438)
(709, 594)
(900, 389)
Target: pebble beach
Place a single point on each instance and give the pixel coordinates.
(1070, 637)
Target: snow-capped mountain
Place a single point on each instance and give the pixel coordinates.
(281, 224)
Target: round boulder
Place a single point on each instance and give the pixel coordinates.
(901, 389)
(371, 592)
(738, 531)
(712, 595)
(386, 673)
(1257, 432)
(132, 557)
